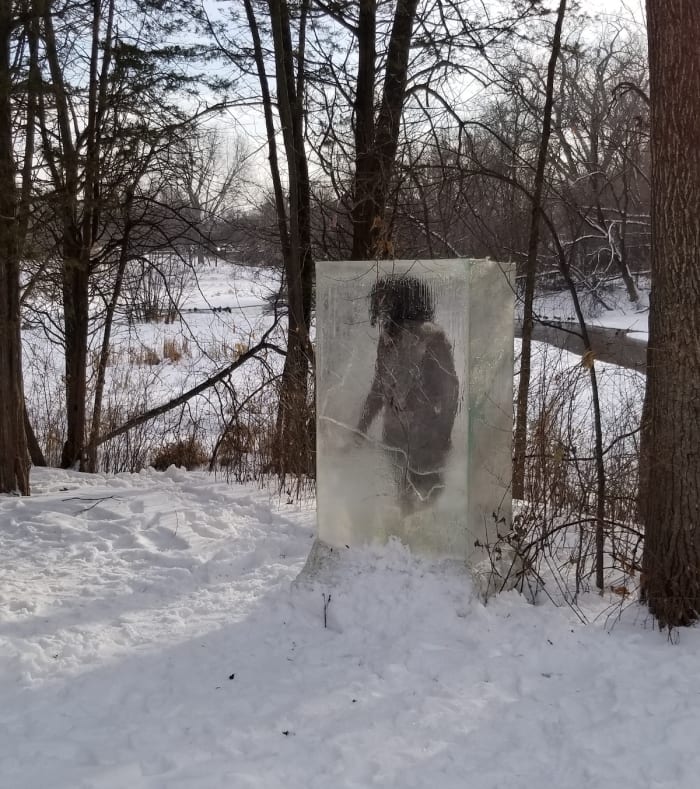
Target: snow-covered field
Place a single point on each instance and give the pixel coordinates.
(223, 313)
(151, 637)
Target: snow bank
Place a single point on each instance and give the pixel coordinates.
(151, 636)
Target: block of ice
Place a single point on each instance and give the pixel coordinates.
(414, 403)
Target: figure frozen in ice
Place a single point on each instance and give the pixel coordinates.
(415, 387)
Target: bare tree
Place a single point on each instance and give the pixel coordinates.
(104, 109)
(382, 105)
(520, 439)
(282, 90)
(600, 159)
(204, 171)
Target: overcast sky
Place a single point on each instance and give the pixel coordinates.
(250, 123)
(631, 8)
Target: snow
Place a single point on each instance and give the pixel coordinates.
(558, 306)
(152, 636)
(224, 312)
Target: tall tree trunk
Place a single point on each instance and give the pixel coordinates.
(365, 156)
(76, 314)
(77, 170)
(294, 453)
(520, 437)
(376, 143)
(670, 491)
(14, 458)
(64, 165)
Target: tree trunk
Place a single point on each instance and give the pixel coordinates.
(294, 454)
(76, 314)
(14, 459)
(376, 144)
(365, 158)
(520, 437)
(670, 490)
(79, 166)
(35, 453)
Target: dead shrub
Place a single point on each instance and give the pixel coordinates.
(237, 441)
(243, 450)
(174, 350)
(554, 527)
(186, 453)
(222, 351)
(144, 356)
(248, 448)
(128, 451)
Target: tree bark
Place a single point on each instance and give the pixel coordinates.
(670, 486)
(365, 158)
(376, 144)
(14, 458)
(76, 315)
(75, 167)
(294, 452)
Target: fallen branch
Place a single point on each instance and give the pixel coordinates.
(146, 416)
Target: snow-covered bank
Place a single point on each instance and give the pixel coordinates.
(150, 637)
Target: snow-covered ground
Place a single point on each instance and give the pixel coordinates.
(621, 313)
(151, 637)
(224, 312)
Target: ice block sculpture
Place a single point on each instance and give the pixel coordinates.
(414, 404)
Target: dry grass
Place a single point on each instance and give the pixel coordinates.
(144, 356)
(175, 350)
(222, 351)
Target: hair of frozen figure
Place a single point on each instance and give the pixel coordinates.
(395, 299)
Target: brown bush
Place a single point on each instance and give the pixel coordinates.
(186, 453)
(143, 356)
(222, 351)
(173, 350)
(237, 441)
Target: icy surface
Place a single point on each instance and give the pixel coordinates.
(150, 638)
(414, 394)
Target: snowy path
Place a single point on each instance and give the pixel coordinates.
(149, 638)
